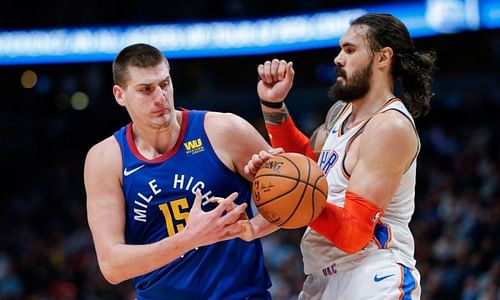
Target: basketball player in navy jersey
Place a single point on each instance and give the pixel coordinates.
(361, 246)
(167, 197)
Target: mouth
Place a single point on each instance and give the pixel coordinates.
(341, 74)
(160, 112)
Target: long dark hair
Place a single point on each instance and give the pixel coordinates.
(414, 68)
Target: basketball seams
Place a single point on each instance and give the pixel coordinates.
(315, 188)
(306, 184)
(284, 176)
(298, 184)
(297, 180)
(316, 185)
(280, 195)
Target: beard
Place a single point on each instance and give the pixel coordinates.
(355, 87)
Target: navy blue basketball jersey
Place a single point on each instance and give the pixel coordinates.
(159, 194)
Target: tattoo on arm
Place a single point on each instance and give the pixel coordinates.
(319, 135)
(314, 136)
(276, 117)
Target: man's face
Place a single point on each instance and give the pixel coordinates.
(353, 87)
(148, 95)
(353, 65)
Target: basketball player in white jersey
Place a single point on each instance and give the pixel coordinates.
(360, 247)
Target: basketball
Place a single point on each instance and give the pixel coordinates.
(290, 190)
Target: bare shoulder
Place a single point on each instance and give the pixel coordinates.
(225, 122)
(106, 147)
(390, 138)
(104, 155)
(230, 127)
(233, 138)
(391, 124)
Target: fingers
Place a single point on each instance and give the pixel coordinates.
(197, 200)
(282, 69)
(242, 229)
(275, 70)
(247, 170)
(253, 164)
(235, 221)
(290, 72)
(225, 204)
(229, 208)
(264, 155)
(232, 231)
(276, 151)
(233, 212)
(234, 215)
(257, 160)
(247, 231)
(268, 77)
(260, 70)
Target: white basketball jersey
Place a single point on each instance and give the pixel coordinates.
(392, 231)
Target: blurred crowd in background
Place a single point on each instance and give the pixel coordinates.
(46, 251)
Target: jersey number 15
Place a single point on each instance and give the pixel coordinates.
(176, 213)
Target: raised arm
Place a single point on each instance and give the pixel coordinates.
(276, 80)
(119, 261)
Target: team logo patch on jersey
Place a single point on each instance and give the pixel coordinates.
(194, 146)
(327, 159)
(128, 172)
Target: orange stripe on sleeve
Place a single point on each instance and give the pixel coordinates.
(288, 136)
(350, 227)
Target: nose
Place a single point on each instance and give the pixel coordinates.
(160, 95)
(339, 60)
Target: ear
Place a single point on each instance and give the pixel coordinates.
(385, 56)
(118, 93)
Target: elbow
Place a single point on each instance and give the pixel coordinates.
(347, 233)
(349, 228)
(114, 280)
(111, 274)
(356, 241)
(352, 247)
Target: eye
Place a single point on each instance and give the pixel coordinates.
(165, 83)
(145, 89)
(349, 50)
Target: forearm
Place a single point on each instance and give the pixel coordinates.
(274, 115)
(261, 227)
(349, 227)
(283, 132)
(125, 261)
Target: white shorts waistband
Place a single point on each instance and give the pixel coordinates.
(351, 261)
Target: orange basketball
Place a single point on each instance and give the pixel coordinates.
(290, 190)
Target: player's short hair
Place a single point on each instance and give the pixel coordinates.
(137, 55)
